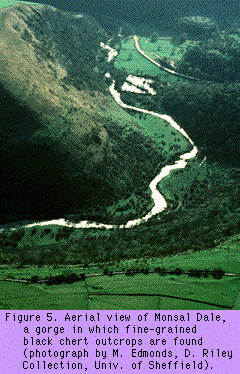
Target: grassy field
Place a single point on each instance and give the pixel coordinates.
(131, 60)
(226, 256)
(169, 139)
(210, 291)
(164, 47)
(134, 63)
(120, 292)
(22, 296)
(132, 292)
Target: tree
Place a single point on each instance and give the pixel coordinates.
(106, 271)
(130, 272)
(206, 273)
(145, 270)
(33, 231)
(218, 273)
(34, 279)
(177, 271)
(160, 270)
(195, 273)
(82, 276)
(154, 37)
(69, 276)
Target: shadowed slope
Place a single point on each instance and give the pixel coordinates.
(58, 153)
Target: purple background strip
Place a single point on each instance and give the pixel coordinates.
(128, 341)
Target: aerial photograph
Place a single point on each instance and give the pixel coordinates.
(120, 155)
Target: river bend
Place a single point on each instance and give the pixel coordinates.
(160, 203)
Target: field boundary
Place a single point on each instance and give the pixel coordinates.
(89, 293)
(169, 296)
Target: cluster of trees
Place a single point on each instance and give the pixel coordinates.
(153, 239)
(156, 238)
(216, 273)
(201, 224)
(72, 41)
(209, 114)
(197, 273)
(139, 100)
(67, 276)
(9, 240)
(163, 271)
(129, 271)
(211, 66)
(216, 59)
(64, 232)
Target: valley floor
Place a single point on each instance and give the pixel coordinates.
(139, 291)
(117, 291)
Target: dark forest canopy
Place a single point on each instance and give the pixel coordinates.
(160, 13)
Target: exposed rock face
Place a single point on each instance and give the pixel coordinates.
(197, 26)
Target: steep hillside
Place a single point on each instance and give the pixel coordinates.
(64, 141)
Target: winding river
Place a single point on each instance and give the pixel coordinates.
(160, 203)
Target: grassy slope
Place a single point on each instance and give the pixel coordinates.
(132, 61)
(222, 292)
(37, 297)
(219, 292)
(226, 255)
(73, 296)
